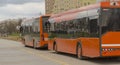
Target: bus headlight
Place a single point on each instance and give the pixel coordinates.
(107, 49)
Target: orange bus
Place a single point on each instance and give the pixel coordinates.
(91, 31)
(35, 32)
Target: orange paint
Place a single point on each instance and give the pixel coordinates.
(109, 5)
(51, 44)
(90, 47)
(111, 38)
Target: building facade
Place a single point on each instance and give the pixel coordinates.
(87, 2)
(57, 6)
(49, 5)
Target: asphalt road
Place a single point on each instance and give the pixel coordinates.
(14, 53)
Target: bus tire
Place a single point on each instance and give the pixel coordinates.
(79, 51)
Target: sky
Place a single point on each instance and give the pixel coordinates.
(10, 9)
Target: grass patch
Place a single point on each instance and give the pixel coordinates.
(14, 34)
(14, 37)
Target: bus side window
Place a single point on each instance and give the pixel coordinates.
(47, 26)
(93, 24)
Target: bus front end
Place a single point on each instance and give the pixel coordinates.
(111, 44)
(110, 29)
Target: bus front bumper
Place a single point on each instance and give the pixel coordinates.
(113, 52)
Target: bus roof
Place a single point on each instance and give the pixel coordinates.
(77, 10)
(28, 22)
(91, 10)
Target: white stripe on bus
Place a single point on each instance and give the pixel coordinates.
(110, 44)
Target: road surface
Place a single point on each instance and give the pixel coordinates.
(14, 53)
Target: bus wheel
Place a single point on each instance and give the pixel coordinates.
(55, 48)
(79, 51)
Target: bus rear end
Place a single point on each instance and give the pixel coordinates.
(110, 29)
(44, 29)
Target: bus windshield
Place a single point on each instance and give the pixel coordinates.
(110, 19)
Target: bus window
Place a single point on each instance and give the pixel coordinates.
(86, 27)
(110, 19)
(76, 28)
(46, 24)
(94, 28)
(36, 26)
(81, 27)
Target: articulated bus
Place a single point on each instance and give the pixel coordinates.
(91, 31)
(35, 32)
